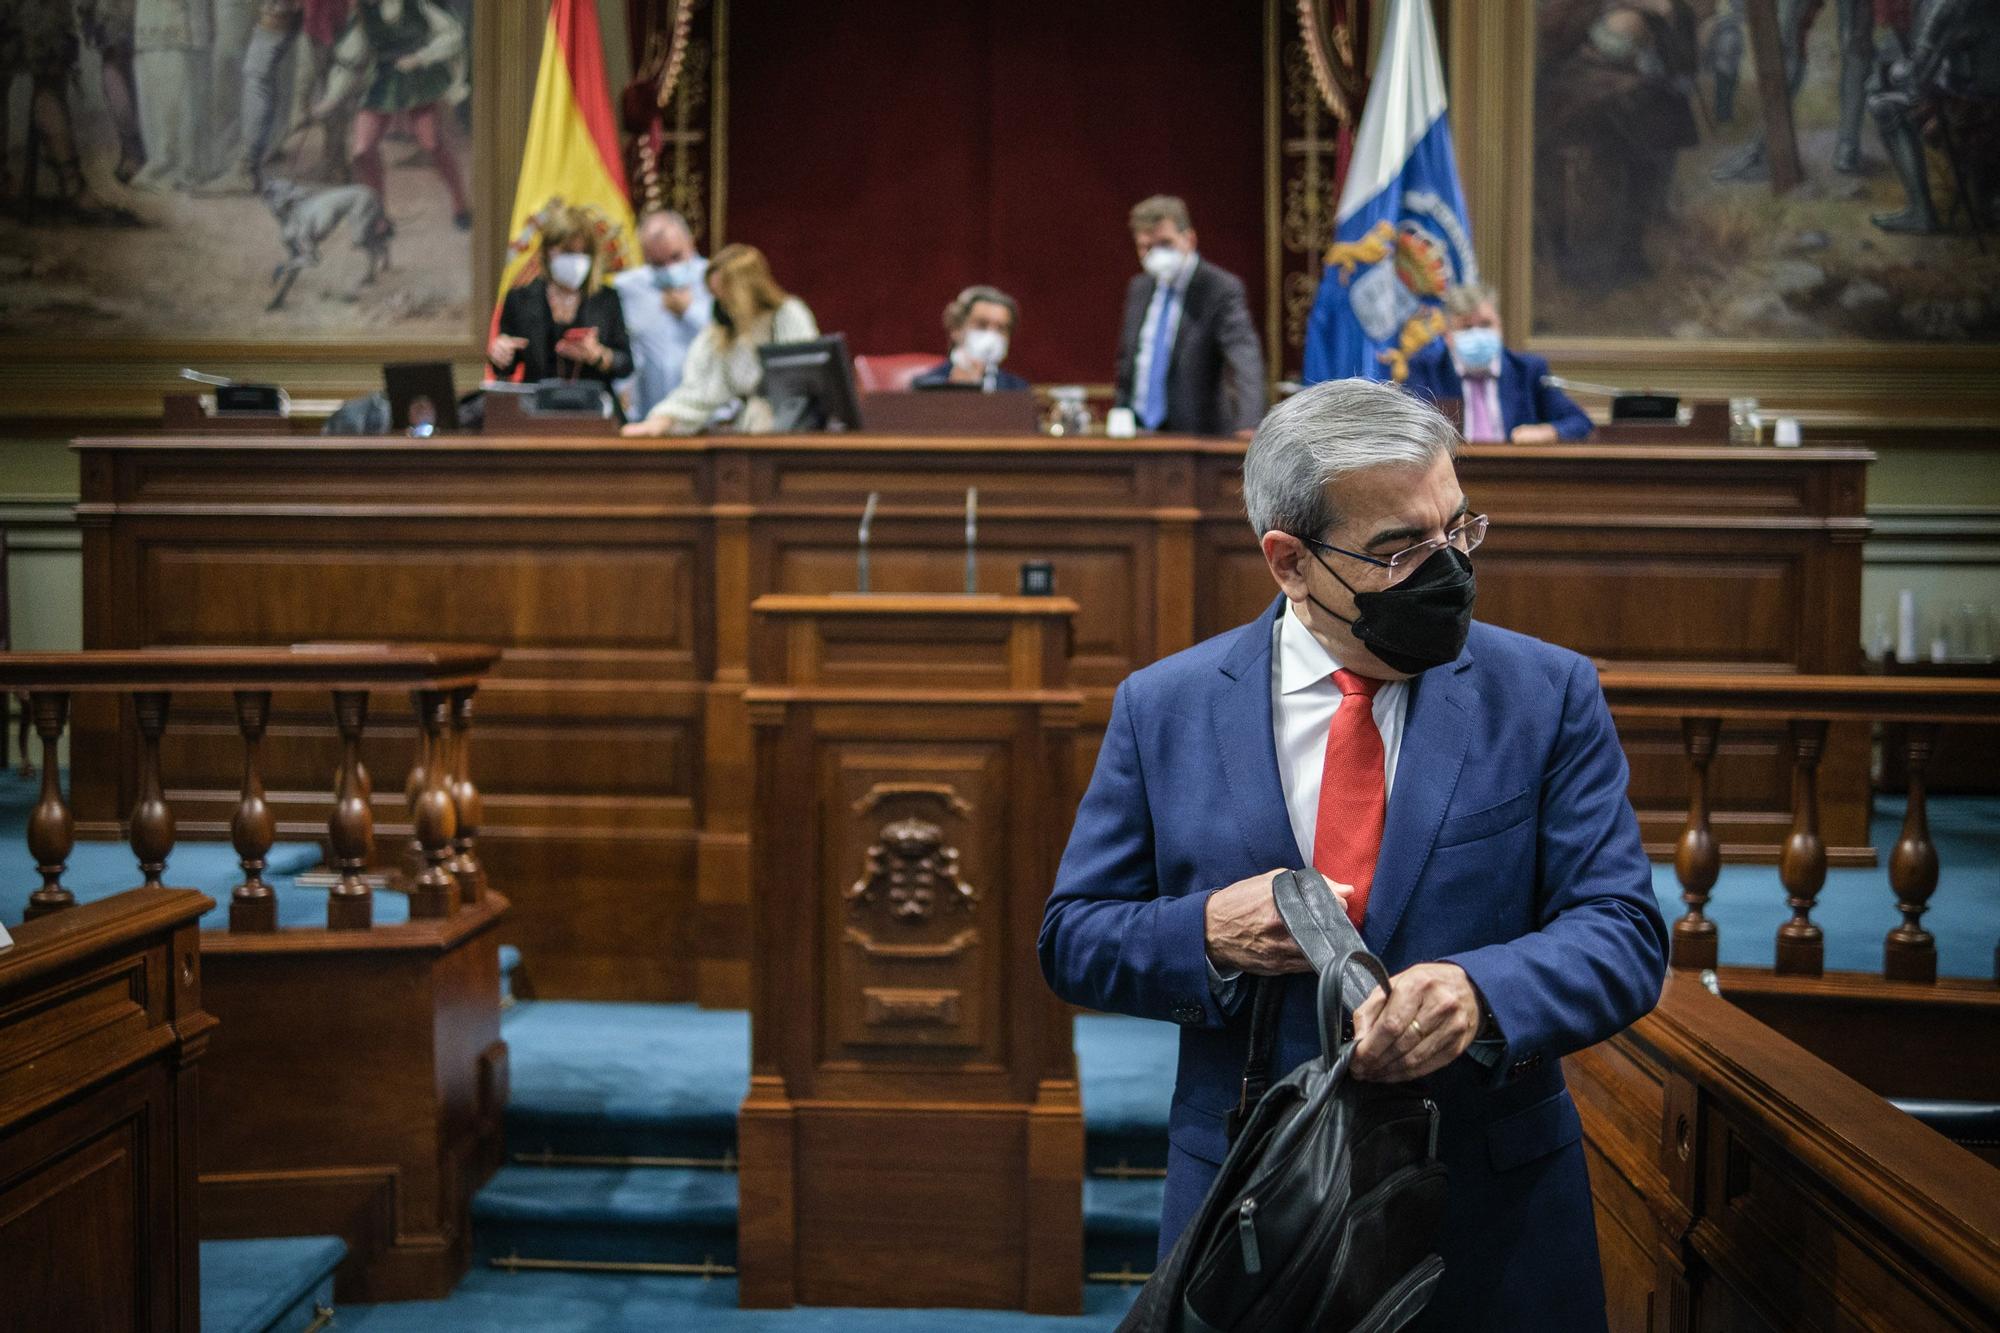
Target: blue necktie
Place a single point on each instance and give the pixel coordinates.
(1156, 372)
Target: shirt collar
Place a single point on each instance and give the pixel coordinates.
(1302, 659)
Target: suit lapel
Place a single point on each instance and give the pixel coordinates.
(1513, 389)
(1240, 710)
(1435, 737)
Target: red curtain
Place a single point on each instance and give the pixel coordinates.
(886, 153)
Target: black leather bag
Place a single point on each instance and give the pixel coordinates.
(1326, 1210)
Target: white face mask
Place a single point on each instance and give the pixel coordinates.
(981, 347)
(569, 270)
(1163, 263)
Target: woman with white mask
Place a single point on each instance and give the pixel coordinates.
(565, 324)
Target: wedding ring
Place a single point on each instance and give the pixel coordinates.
(1417, 1028)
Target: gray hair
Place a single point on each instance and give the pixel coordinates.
(1155, 209)
(1323, 433)
(660, 217)
(1466, 298)
(960, 308)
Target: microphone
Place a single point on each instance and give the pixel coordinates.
(861, 555)
(971, 539)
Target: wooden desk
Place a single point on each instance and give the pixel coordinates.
(618, 574)
(101, 1026)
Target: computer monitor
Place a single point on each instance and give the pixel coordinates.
(423, 399)
(811, 385)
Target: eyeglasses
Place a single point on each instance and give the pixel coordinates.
(1465, 537)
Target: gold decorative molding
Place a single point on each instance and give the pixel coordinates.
(1313, 86)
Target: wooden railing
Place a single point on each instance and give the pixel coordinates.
(444, 802)
(1743, 1183)
(1703, 703)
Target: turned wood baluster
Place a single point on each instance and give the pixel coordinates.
(413, 790)
(152, 818)
(1910, 952)
(1697, 859)
(435, 893)
(466, 865)
(1802, 863)
(51, 828)
(350, 903)
(253, 907)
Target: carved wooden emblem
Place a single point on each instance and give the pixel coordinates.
(911, 874)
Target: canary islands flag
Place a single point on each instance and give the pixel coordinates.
(572, 157)
(1400, 235)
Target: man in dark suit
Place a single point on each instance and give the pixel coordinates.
(1188, 359)
(1500, 392)
(1462, 788)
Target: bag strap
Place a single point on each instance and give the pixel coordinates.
(1266, 1002)
(1347, 973)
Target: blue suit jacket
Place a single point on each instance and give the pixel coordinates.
(1509, 848)
(1524, 399)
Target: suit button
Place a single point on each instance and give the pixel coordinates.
(1188, 1013)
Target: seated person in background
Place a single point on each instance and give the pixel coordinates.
(751, 311)
(1502, 392)
(666, 305)
(981, 324)
(564, 324)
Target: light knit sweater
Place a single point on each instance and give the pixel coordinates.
(718, 373)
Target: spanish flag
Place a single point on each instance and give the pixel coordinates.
(572, 154)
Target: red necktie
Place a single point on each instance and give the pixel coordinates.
(1347, 836)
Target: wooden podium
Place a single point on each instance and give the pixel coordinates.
(913, 1134)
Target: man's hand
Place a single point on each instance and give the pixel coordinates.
(1245, 932)
(1430, 1016)
(677, 300)
(1540, 432)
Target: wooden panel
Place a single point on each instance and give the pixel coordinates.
(101, 1028)
(1772, 1191)
(384, 1145)
(618, 575)
(897, 998)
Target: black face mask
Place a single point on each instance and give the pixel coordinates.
(720, 314)
(1419, 623)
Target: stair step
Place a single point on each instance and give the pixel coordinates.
(263, 1286)
(607, 1214)
(627, 1080)
(1126, 1068)
(1121, 1224)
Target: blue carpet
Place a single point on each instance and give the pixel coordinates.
(1121, 1218)
(645, 1080)
(101, 869)
(250, 1286)
(495, 1302)
(1857, 908)
(649, 1214)
(1126, 1067)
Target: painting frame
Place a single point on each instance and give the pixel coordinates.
(111, 379)
(1918, 387)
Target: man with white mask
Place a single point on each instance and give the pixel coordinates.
(980, 322)
(1188, 357)
(666, 304)
(1503, 394)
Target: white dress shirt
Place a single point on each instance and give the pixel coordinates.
(1142, 366)
(1303, 702)
(660, 339)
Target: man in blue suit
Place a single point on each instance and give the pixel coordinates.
(1464, 786)
(1500, 392)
